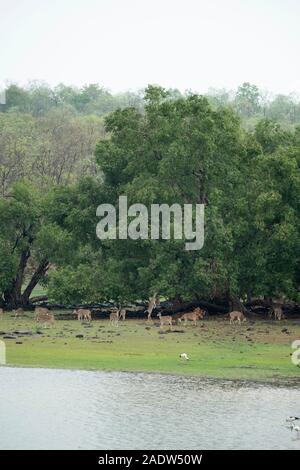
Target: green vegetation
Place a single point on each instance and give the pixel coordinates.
(251, 104)
(175, 149)
(254, 351)
(39, 291)
(252, 246)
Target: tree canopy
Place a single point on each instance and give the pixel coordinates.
(172, 149)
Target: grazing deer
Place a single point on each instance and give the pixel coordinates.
(41, 311)
(122, 313)
(165, 320)
(1, 313)
(153, 302)
(19, 313)
(45, 319)
(236, 316)
(192, 316)
(114, 317)
(277, 312)
(83, 314)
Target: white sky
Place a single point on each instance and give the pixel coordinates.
(126, 44)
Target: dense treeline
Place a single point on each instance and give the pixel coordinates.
(248, 101)
(169, 148)
(51, 150)
(48, 135)
(38, 99)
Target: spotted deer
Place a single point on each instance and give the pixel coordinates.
(122, 314)
(277, 312)
(236, 316)
(41, 311)
(83, 314)
(45, 319)
(153, 302)
(192, 316)
(114, 317)
(165, 319)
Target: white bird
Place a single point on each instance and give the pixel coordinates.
(297, 429)
(291, 419)
(184, 356)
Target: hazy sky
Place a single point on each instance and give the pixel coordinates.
(126, 44)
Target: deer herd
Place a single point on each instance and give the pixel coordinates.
(44, 316)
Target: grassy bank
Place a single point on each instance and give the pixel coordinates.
(257, 350)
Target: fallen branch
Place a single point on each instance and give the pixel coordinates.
(38, 298)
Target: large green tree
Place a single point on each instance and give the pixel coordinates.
(178, 151)
(174, 149)
(30, 240)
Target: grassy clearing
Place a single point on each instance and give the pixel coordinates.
(39, 290)
(256, 351)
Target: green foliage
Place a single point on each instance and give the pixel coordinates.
(48, 150)
(185, 151)
(270, 135)
(247, 100)
(31, 239)
(178, 151)
(171, 149)
(38, 98)
(74, 286)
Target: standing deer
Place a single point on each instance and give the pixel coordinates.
(277, 312)
(114, 317)
(153, 302)
(122, 313)
(83, 314)
(166, 319)
(236, 316)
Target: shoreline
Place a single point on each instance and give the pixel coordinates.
(275, 382)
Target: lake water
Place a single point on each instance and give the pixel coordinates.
(61, 409)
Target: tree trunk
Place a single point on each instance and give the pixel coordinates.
(13, 295)
(236, 304)
(39, 273)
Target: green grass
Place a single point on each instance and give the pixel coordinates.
(38, 291)
(215, 348)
